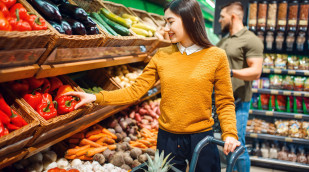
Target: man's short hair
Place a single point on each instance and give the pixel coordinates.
(235, 7)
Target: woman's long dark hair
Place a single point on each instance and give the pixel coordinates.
(192, 18)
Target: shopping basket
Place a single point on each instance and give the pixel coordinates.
(231, 158)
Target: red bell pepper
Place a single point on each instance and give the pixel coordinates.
(6, 131)
(1, 129)
(46, 97)
(55, 83)
(12, 127)
(9, 3)
(47, 110)
(4, 23)
(35, 83)
(66, 104)
(20, 86)
(37, 23)
(33, 99)
(4, 9)
(46, 86)
(4, 118)
(19, 10)
(63, 89)
(19, 24)
(16, 119)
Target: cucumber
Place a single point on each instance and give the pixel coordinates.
(88, 91)
(118, 28)
(100, 89)
(105, 26)
(116, 18)
(95, 89)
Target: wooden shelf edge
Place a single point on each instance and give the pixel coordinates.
(15, 73)
(11, 158)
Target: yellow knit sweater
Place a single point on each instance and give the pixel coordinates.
(187, 84)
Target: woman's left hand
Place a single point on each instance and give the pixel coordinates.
(230, 145)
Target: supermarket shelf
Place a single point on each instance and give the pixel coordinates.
(60, 69)
(287, 72)
(278, 138)
(279, 114)
(15, 73)
(11, 158)
(281, 92)
(279, 164)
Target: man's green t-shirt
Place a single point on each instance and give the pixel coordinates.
(238, 47)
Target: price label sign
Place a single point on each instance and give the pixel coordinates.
(274, 92)
(278, 71)
(298, 116)
(297, 94)
(306, 73)
(266, 70)
(269, 113)
(253, 135)
(292, 72)
(288, 139)
(250, 111)
(286, 93)
(306, 94)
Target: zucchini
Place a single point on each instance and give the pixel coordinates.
(95, 89)
(144, 26)
(139, 31)
(116, 27)
(116, 18)
(128, 16)
(104, 26)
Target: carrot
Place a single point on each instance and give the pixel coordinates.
(93, 132)
(106, 131)
(85, 158)
(78, 136)
(96, 137)
(89, 142)
(97, 126)
(145, 142)
(93, 151)
(111, 147)
(75, 150)
(153, 147)
(70, 156)
(73, 141)
(82, 152)
(139, 145)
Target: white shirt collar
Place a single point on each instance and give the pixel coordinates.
(189, 50)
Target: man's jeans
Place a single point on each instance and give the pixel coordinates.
(242, 113)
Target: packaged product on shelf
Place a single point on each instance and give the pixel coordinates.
(295, 129)
(268, 61)
(301, 157)
(306, 84)
(282, 15)
(303, 63)
(265, 151)
(272, 103)
(272, 15)
(282, 127)
(254, 101)
(262, 14)
(299, 83)
(291, 155)
(275, 81)
(293, 62)
(281, 61)
(273, 152)
(303, 16)
(306, 105)
(264, 83)
(305, 129)
(253, 15)
(280, 103)
(293, 14)
(283, 155)
(289, 103)
(298, 105)
(288, 82)
(264, 98)
(256, 83)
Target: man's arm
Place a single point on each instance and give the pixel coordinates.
(253, 72)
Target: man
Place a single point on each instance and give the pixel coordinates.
(245, 53)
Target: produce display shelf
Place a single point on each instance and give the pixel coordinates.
(279, 164)
(279, 114)
(287, 72)
(278, 138)
(60, 69)
(281, 92)
(8, 159)
(15, 73)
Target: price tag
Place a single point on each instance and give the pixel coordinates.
(306, 94)
(286, 93)
(297, 94)
(250, 111)
(253, 135)
(274, 92)
(269, 113)
(266, 70)
(306, 73)
(278, 71)
(288, 139)
(298, 116)
(254, 90)
(291, 72)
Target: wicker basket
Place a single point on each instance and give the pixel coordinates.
(25, 40)
(46, 125)
(67, 41)
(158, 19)
(25, 131)
(111, 41)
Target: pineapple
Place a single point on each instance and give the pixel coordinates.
(158, 164)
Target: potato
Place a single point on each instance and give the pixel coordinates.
(132, 137)
(135, 163)
(100, 158)
(112, 130)
(127, 139)
(108, 153)
(128, 160)
(118, 129)
(119, 137)
(142, 158)
(117, 159)
(135, 153)
(124, 134)
(149, 151)
(126, 167)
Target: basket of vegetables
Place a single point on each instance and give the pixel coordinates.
(20, 28)
(15, 123)
(116, 28)
(72, 26)
(43, 98)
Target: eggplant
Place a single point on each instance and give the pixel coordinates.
(89, 22)
(58, 2)
(92, 30)
(66, 27)
(74, 11)
(48, 9)
(56, 26)
(77, 27)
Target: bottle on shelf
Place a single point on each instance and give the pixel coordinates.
(271, 24)
(292, 25)
(265, 151)
(283, 155)
(281, 24)
(301, 157)
(302, 25)
(252, 17)
(291, 155)
(262, 18)
(273, 152)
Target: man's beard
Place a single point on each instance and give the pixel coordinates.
(226, 29)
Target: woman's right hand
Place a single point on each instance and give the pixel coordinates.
(84, 98)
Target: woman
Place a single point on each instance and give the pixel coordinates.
(188, 70)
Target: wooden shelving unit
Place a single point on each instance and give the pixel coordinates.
(15, 73)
